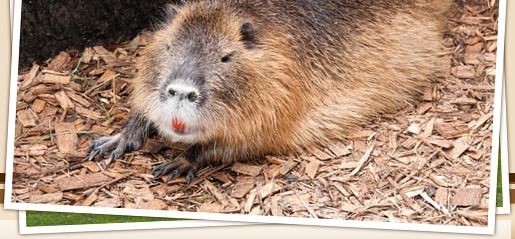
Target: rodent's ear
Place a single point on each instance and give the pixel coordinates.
(248, 35)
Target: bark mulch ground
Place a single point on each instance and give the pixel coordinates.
(429, 163)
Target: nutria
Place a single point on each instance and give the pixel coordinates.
(240, 79)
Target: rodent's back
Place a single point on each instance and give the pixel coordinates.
(316, 69)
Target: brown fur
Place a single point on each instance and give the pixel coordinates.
(318, 70)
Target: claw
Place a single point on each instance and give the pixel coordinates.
(174, 169)
(91, 147)
(110, 159)
(157, 172)
(175, 174)
(190, 176)
(94, 153)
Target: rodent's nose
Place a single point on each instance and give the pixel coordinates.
(182, 92)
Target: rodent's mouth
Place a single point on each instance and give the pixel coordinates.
(180, 127)
(180, 132)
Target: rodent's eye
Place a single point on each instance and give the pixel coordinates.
(227, 57)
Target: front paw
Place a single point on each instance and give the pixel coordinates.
(119, 142)
(175, 169)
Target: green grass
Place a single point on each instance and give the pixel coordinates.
(35, 219)
(498, 199)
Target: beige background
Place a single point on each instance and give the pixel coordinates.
(9, 224)
(5, 69)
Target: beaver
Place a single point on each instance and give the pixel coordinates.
(240, 79)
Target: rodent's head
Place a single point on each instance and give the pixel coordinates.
(194, 71)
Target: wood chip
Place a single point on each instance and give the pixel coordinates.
(26, 118)
(56, 79)
(47, 188)
(67, 140)
(362, 161)
(474, 215)
(458, 171)
(475, 48)
(108, 75)
(268, 189)
(434, 204)
(88, 113)
(428, 129)
(342, 190)
(242, 187)
(211, 207)
(475, 154)
(409, 143)
(287, 166)
(424, 108)
(38, 105)
(59, 62)
(92, 166)
(460, 146)
(339, 149)
(428, 94)
(246, 169)
(47, 198)
(464, 72)
(83, 181)
(30, 78)
(41, 89)
(96, 72)
(256, 211)
(441, 196)
(410, 202)
(274, 160)
(138, 189)
(216, 193)
(320, 154)
(64, 100)
(439, 180)
(312, 168)
(155, 204)
(464, 101)
(109, 202)
(79, 99)
(87, 55)
(347, 207)
(447, 130)
(482, 120)
(90, 199)
(106, 55)
(310, 210)
(414, 129)
(250, 201)
(440, 142)
(361, 134)
(467, 197)
(276, 210)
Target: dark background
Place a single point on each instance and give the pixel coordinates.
(51, 26)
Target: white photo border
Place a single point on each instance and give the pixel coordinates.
(489, 229)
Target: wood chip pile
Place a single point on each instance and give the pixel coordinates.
(428, 164)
